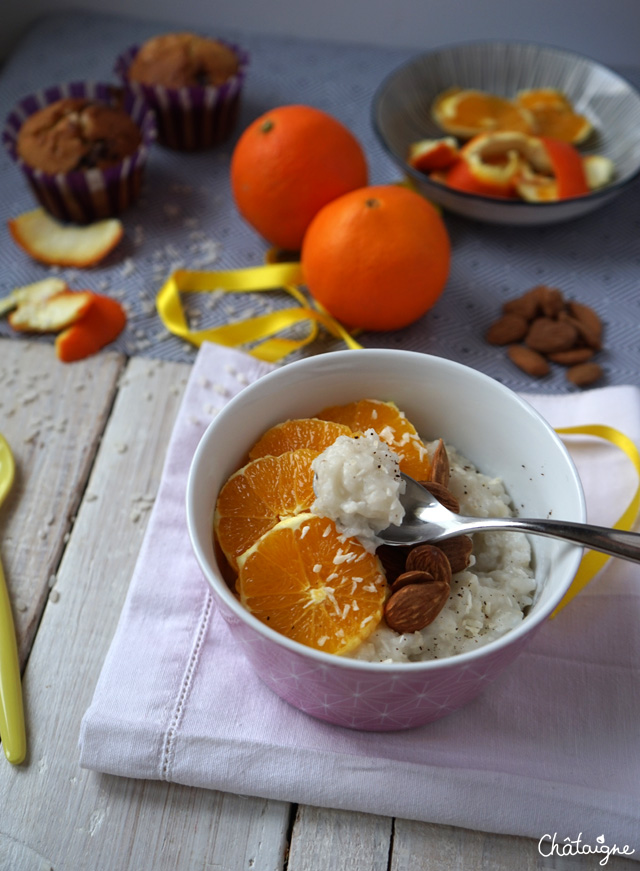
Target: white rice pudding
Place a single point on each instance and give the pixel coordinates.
(487, 599)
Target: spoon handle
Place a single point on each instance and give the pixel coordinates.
(614, 542)
(12, 729)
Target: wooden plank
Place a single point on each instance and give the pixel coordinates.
(53, 811)
(324, 838)
(52, 414)
(426, 847)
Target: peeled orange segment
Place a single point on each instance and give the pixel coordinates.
(468, 112)
(391, 425)
(51, 314)
(295, 434)
(306, 581)
(31, 293)
(430, 155)
(554, 116)
(259, 495)
(53, 243)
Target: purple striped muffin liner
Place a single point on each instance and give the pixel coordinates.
(83, 196)
(190, 118)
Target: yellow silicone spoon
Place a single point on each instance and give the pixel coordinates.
(12, 731)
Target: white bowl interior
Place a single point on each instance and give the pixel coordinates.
(402, 115)
(491, 425)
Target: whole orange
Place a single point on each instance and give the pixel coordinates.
(377, 258)
(287, 165)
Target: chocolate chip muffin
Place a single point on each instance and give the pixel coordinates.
(82, 147)
(177, 60)
(76, 134)
(193, 84)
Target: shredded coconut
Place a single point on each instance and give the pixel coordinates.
(358, 485)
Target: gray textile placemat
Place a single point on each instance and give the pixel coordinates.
(186, 217)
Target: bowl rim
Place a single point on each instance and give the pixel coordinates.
(513, 204)
(220, 588)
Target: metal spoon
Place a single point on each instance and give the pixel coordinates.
(426, 519)
(12, 731)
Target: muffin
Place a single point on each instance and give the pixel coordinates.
(193, 84)
(183, 60)
(82, 148)
(76, 133)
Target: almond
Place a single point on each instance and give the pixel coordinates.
(528, 360)
(429, 558)
(413, 577)
(443, 495)
(511, 327)
(547, 335)
(440, 471)
(527, 305)
(551, 301)
(584, 331)
(393, 560)
(584, 374)
(572, 356)
(587, 317)
(415, 606)
(458, 551)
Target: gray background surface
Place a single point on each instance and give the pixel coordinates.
(186, 217)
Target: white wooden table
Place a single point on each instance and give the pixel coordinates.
(89, 441)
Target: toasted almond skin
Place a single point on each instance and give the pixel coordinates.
(528, 360)
(443, 495)
(393, 560)
(584, 374)
(412, 577)
(586, 316)
(572, 357)
(458, 551)
(511, 327)
(431, 559)
(547, 335)
(415, 606)
(440, 470)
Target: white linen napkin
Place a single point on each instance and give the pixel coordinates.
(553, 746)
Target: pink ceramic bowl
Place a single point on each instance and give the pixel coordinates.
(490, 424)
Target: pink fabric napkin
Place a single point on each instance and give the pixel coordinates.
(552, 747)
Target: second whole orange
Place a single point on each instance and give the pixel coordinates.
(287, 165)
(377, 258)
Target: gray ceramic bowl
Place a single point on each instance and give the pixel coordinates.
(402, 115)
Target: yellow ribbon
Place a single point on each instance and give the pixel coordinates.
(593, 561)
(261, 329)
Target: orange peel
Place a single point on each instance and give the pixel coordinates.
(31, 293)
(554, 115)
(55, 244)
(51, 314)
(599, 171)
(429, 155)
(467, 112)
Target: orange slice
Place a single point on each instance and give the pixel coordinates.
(391, 425)
(300, 433)
(554, 115)
(51, 314)
(468, 112)
(259, 495)
(56, 244)
(308, 582)
(30, 293)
